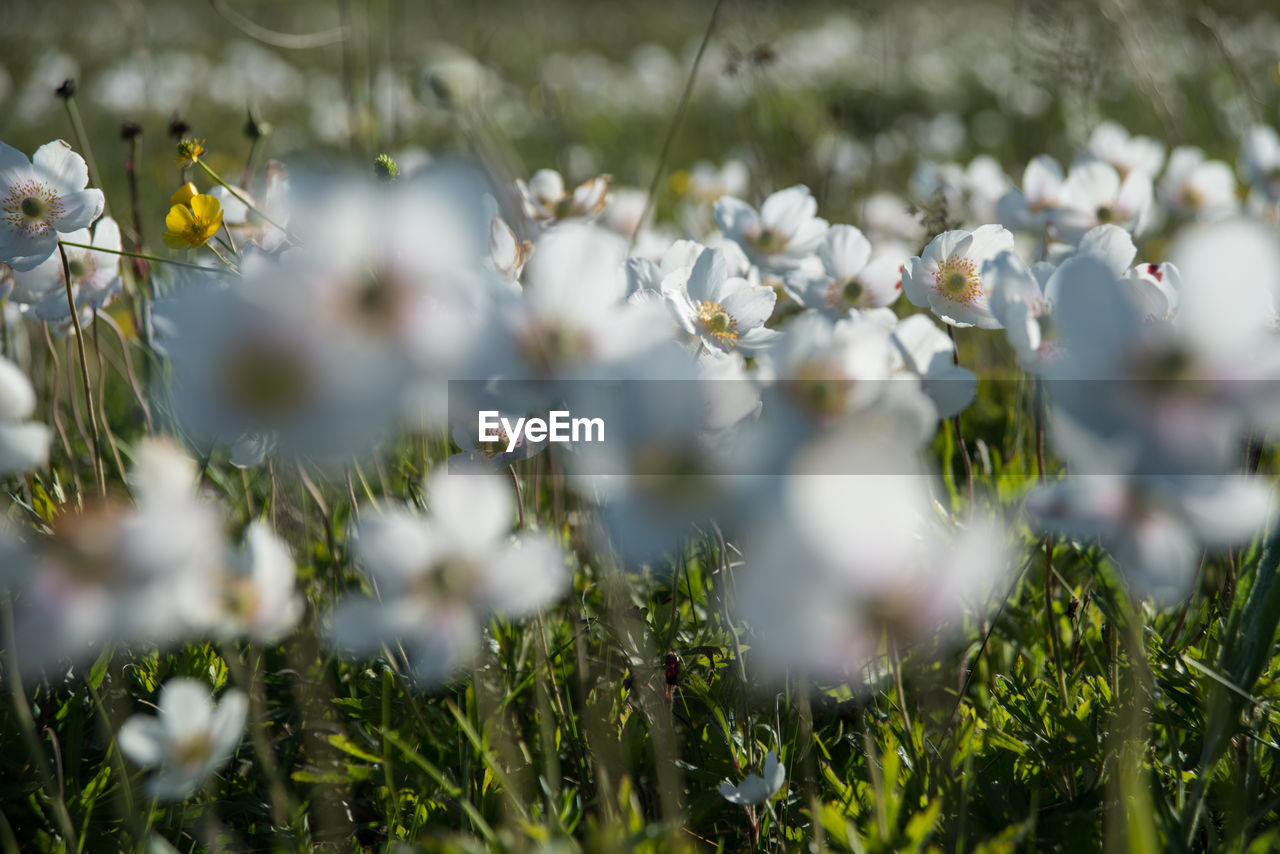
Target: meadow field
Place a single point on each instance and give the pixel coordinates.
(713, 426)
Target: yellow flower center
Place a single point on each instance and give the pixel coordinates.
(717, 324)
(958, 280)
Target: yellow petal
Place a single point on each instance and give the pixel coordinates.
(179, 218)
(184, 194)
(206, 208)
(174, 240)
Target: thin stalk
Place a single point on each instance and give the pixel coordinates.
(144, 256)
(84, 374)
(675, 123)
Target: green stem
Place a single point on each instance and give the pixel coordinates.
(244, 201)
(141, 255)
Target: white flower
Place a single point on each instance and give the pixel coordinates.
(252, 594)
(188, 741)
(723, 312)
(1194, 186)
(948, 277)
(756, 789)
(507, 253)
(572, 316)
(926, 352)
(856, 553)
(24, 444)
(1260, 161)
(94, 274)
(782, 235)
(545, 199)
(1031, 207)
(1155, 528)
(850, 275)
(1112, 144)
(440, 577)
(40, 199)
(1094, 194)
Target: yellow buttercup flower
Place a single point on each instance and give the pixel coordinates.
(191, 226)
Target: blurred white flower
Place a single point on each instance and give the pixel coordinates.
(1031, 207)
(24, 444)
(856, 553)
(250, 594)
(755, 789)
(188, 741)
(1196, 186)
(546, 200)
(782, 235)
(438, 578)
(1111, 143)
(41, 198)
(112, 572)
(948, 277)
(507, 253)
(1155, 527)
(1260, 161)
(572, 318)
(1093, 193)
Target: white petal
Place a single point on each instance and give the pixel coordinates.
(750, 305)
(527, 576)
(79, 210)
(227, 725)
(23, 447)
(185, 707)
(17, 397)
(844, 251)
(58, 163)
(142, 739)
(473, 508)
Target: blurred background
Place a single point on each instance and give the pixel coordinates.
(847, 98)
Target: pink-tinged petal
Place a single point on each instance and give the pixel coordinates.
(1158, 556)
(881, 281)
(1223, 511)
(59, 164)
